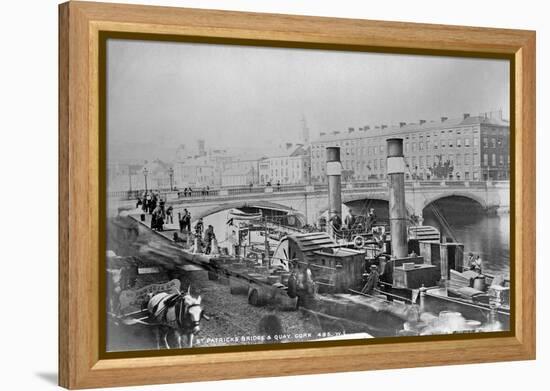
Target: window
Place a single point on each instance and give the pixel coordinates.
(458, 159)
(493, 142)
(458, 142)
(466, 142)
(421, 146)
(376, 164)
(428, 161)
(493, 160)
(450, 143)
(414, 146)
(421, 161)
(501, 160)
(485, 142)
(485, 159)
(476, 159)
(476, 176)
(476, 141)
(467, 161)
(442, 143)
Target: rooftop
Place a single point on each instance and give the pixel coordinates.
(403, 128)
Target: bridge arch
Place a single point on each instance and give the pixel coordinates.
(474, 197)
(243, 204)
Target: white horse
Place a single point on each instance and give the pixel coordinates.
(178, 312)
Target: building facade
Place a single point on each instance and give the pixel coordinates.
(292, 166)
(237, 177)
(466, 148)
(198, 172)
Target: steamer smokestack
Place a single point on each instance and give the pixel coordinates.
(334, 174)
(398, 213)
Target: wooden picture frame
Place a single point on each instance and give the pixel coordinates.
(81, 364)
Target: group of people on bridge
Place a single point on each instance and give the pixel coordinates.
(189, 192)
(153, 204)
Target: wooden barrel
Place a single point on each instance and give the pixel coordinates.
(257, 296)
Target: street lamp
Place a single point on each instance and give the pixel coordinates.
(130, 178)
(171, 173)
(145, 172)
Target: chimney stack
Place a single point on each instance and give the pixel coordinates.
(422, 121)
(443, 119)
(367, 127)
(334, 174)
(466, 115)
(383, 126)
(351, 130)
(322, 134)
(401, 124)
(398, 213)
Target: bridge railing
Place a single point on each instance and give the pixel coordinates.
(222, 192)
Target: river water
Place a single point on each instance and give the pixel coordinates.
(481, 233)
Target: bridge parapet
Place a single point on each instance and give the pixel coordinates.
(312, 200)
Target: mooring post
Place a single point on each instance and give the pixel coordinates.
(398, 213)
(334, 178)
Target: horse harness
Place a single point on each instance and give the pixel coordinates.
(174, 302)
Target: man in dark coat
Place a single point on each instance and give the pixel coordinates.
(209, 236)
(372, 280)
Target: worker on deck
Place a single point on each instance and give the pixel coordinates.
(349, 221)
(372, 280)
(336, 223)
(475, 264)
(371, 219)
(199, 228)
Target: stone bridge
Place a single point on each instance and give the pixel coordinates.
(312, 200)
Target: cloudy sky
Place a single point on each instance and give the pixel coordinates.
(173, 93)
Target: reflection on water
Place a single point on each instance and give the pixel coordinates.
(481, 233)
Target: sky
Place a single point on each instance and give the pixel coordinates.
(168, 94)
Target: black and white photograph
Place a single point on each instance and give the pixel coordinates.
(267, 195)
